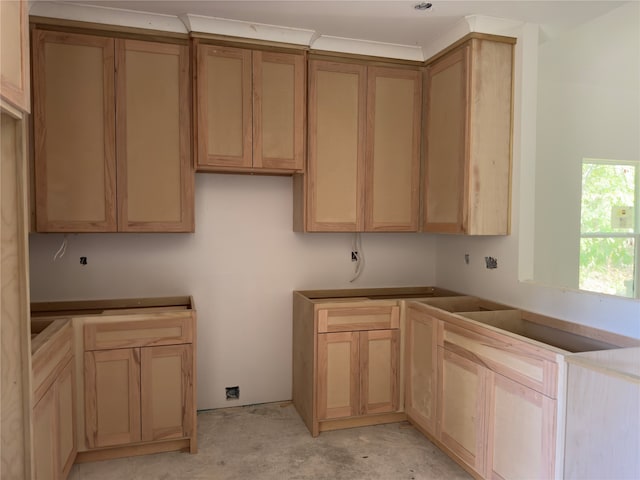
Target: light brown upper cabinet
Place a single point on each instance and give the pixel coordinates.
(112, 135)
(468, 139)
(14, 53)
(364, 150)
(250, 110)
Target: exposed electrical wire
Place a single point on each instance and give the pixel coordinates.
(356, 249)
(63, 248)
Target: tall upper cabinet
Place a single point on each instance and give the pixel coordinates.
(467, 173)
(250, 110)
(111, 134)
(14, 57)
(364, 149)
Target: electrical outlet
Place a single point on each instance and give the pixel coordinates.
(83, 260)
(232, 393)
(354, 256)
(491, 262)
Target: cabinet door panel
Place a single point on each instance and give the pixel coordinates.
(155, 180)
(520, 428)
(112, 397)
(379, 373)
(14, 54)
(74, 127)
(422, 369)
(461, 408)
(338, 378)
(278, 110)
(337, 106)
(167, 392)
(393, 149)
(224, 118)
(446, 143)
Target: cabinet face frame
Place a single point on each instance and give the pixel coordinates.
(356, 189)
(16, 90)
(460, 57)
(371, 223)
(40, 39)
(206, 158)
(185, 180)
(297, 99)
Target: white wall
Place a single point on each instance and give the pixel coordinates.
(241, 266)
(514, 252)
(588, 107)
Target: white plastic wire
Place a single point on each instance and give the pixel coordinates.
(61, 251)
(356, 246)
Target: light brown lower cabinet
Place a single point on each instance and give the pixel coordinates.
(138, 394)
(54, 439)
(357, 373)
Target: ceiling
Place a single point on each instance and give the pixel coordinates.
(394, 21)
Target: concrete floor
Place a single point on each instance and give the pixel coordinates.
(270, 442)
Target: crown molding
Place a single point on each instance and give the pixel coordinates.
(366, 47)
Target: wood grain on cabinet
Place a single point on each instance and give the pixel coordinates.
(112, 397)
(336, 127)
(250, 110)
(74, 131)
(364, 149)
(462, 408)
(112, 134)
(14, 53)
(392, 175)
(468, 131)
(45, 443)
(421, 370)
(154, 173)
(379, 371)
(15, 402)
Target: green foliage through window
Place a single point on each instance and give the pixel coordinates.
(609, 227)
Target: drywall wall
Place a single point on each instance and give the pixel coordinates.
(241, 266)
(514, 252)
(588, 107)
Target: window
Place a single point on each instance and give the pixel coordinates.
(610, 227)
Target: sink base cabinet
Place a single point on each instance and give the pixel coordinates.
(346, 358)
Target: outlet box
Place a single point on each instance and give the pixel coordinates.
(232, 393)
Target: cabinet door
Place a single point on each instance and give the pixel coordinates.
(379, 371)
(112, 397)
(45, 445)
(393, 149)
(335, 183)
(74, 131)
(521, 425)
(461, 408)
(338, 389)
(167, 392)
(223, 85)
(14, 54)
(278, 110)
(446, 144)
(421, 369)
(155, 177)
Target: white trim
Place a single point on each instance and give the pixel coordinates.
(368, 47)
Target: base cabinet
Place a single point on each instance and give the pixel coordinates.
(54, 438)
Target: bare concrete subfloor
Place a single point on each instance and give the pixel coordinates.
(270, 442)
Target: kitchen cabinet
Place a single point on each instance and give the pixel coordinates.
(346, 363)
(158, 379)
(250, 110)
(14, 55)
(468, 127)
(111, 134)
(421, 369)
(364, 149)
(54, 400)
(136, 374)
